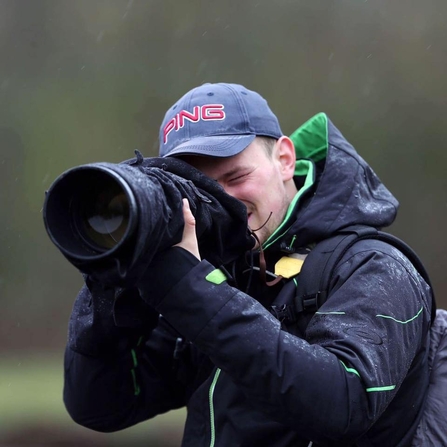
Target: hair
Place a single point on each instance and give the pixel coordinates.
(268, 143)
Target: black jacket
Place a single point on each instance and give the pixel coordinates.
(355, 373)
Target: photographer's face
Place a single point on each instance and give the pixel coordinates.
(262, 181)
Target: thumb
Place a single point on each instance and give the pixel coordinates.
(188, 216)
(189, 238)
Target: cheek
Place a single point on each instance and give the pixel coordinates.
(246, 192)
(264, 191)
(271, 188)
(264, 196)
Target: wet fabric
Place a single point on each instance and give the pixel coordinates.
(354, 374)
(432, 429)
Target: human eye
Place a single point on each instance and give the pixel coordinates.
(237, 178)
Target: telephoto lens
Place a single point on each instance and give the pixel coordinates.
(90, 211)
(111, 219)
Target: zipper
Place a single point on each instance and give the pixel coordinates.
(211, 394)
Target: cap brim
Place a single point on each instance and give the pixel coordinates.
(214, 146)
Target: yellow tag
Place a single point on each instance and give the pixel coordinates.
(289, 266)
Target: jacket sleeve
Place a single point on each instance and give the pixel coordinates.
(115, 377)
(338, 381)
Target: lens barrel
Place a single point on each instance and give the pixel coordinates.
(90, 212)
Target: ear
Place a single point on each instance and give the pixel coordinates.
(285, 152)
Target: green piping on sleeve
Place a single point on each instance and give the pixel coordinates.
(330, 313)
(211, 395)
(351, 370)
(380, 388)
(136, 387)
(134, 358)
(400, 321)
(372, 389)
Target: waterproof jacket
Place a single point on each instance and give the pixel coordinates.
(353, 373)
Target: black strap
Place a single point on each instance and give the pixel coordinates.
(318, 268)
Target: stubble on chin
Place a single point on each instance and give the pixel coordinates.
(271, 224)
(263, 232)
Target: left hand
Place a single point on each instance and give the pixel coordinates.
(189, 240)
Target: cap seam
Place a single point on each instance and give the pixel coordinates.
(242, 107)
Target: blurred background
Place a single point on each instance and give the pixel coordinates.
(89, 80)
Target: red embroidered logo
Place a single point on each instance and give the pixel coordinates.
(207, 112)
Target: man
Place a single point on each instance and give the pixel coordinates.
(354, 373)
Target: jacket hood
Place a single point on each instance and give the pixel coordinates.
(340, 188)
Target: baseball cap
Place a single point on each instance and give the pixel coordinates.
(217, 120)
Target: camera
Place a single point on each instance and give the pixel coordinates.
(112, 219)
